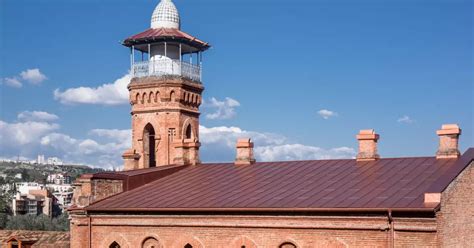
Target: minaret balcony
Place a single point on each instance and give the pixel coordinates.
(166, 67)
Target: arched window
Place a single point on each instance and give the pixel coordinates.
(143, 97)
(137, 98)
(188, 246)
(149, 145)
(150, 99)
(287, 245)
(189, 132)
(151, 243)
(114, 245)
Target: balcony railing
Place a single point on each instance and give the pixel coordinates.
(166, 67)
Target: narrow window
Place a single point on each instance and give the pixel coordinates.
(150, 99)
(138, 98)
(143, 98)
(189, 132)
(149, 145)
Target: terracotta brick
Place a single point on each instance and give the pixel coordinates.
(168, 105)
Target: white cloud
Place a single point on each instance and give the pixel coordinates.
(219, 145)
(12, 82)
(222, 109)
(228, 136)
(102, 147)
(301, 152)
(326, 114)
(107, 94)
(113, 134)
(16, 135)
(37, 116)
(103, 153)
(405, 119)
(33, 76)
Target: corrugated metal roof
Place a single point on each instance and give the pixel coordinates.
(163, 34)
(391, 183)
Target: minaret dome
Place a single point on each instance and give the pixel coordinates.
(165, 16)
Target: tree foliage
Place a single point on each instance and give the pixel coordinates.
(6, 194)
(38, 223)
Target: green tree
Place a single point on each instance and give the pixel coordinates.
(38, 223)
(5, 200)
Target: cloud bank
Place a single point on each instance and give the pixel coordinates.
(115, 93)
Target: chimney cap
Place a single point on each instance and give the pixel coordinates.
(367, 134)
(447, 129)
(244, 143)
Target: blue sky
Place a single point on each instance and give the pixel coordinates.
(300, 77)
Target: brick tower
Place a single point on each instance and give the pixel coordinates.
(165, 92)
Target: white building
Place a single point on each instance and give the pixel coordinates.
(24, 187)
(59, 178)
(40, 159)
(54, 161)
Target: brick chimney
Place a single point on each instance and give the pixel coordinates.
(244, 152)
(448, 141)
(367, 145)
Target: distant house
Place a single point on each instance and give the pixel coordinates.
(33, 239)
(35, 202)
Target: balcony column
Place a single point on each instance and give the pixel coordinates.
(180, 60)
(132, 60)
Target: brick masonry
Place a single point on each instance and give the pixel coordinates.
(253, 231)
(169, 105)
(456, 218)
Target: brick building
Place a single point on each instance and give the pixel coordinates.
(166, 197)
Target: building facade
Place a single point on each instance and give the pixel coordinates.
(166, 197)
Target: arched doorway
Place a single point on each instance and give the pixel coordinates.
(114, 245)
(149, 146)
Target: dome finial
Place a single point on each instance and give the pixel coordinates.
(165, 15)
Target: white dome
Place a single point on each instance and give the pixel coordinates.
(165, 15)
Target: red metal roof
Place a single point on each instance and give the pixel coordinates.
(391, 183)
(165, 34)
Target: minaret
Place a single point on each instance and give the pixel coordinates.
(165, 92)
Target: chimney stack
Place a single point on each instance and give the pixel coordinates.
(244, 152)
(367, 145)
(448, 141)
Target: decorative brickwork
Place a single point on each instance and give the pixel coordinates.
(165, 122)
